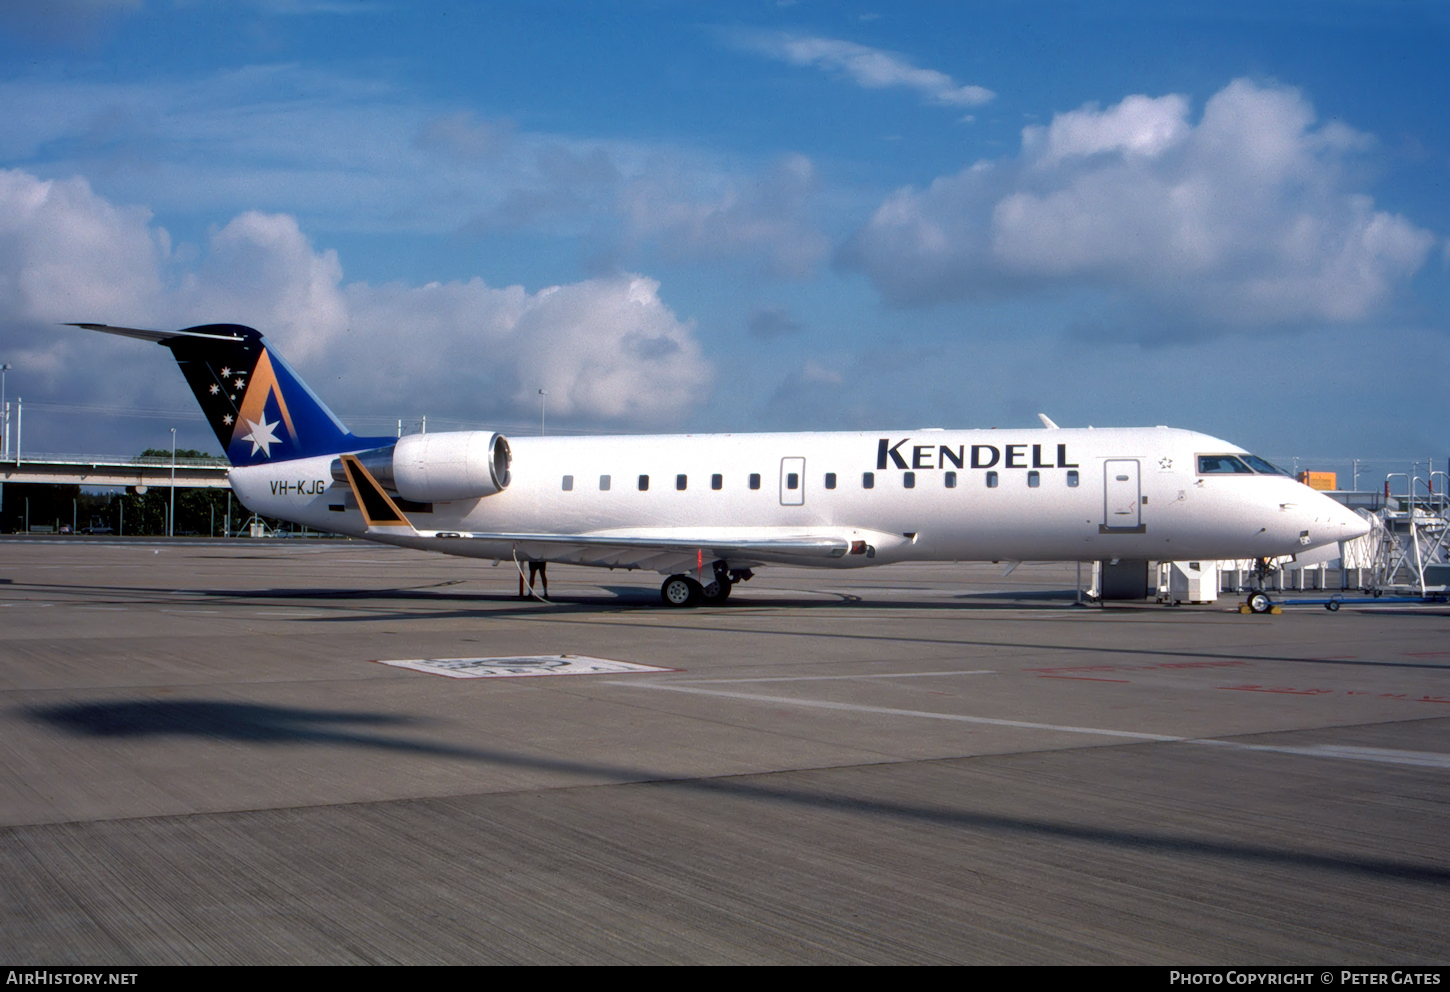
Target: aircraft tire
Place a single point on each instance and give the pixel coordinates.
(680, 591)
(1260, 602)
(716, 592)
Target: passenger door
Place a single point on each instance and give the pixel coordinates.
(1122, 497)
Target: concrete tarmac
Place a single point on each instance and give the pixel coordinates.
(202, 762)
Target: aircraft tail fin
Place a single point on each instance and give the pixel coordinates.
(259, 408)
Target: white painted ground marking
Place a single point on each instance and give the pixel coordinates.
(1388, 756)
(1421, 759)
(523, 666)
(824, 678)
(823, 704)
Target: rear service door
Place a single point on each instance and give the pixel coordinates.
(792, 481)
(1122, 497)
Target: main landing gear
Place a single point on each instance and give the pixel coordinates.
(682, 590)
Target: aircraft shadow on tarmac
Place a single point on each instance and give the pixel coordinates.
(251, 723)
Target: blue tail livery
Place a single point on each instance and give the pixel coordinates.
(259, 408)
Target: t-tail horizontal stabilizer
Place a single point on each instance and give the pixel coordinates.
(259, 408)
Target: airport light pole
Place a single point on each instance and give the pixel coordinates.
(6, 408)
(171, 517)
(543, 403)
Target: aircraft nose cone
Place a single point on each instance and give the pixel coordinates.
(1352, 524)
(1344, 523)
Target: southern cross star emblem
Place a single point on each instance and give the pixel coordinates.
(262, 437)
(240, 384)
(214, 389)
(227, 419)
(226, 372)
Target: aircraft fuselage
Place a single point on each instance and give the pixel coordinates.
(934, 495)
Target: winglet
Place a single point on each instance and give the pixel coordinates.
(1047, 422)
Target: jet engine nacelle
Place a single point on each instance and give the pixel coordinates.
(437, 468)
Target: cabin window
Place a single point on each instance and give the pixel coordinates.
(991, 480)
(951, 480)
(717, 481)
(830, 480)
(754, 480)
(792, 480)
(568, 483)
(643, 483)
(1034, 479)
(868, 480)
(1072, 478)
(680, 482)
(908, 480)
(604, 483)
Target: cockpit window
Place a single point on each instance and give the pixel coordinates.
(1222, 465)
(1259, 465)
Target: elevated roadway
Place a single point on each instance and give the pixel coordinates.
(109, 470)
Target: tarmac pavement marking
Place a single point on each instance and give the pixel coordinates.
(827, 678)
(891, 711)
(1420, 759)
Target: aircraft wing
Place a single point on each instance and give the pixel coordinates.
(713, 544)
(641, 547)
(666, 551)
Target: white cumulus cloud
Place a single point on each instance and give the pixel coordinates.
(609, 350)
(60, 242)
(1244, 219)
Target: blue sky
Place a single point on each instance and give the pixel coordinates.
(745, 216)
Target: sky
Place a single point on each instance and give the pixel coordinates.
(752, 216)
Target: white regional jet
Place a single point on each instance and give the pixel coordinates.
(706, 509)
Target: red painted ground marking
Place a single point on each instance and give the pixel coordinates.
(1198, 664)
(1329, 692)
(1282, 689)
(1141, 668)
(1427, 654)
(1084, 678)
